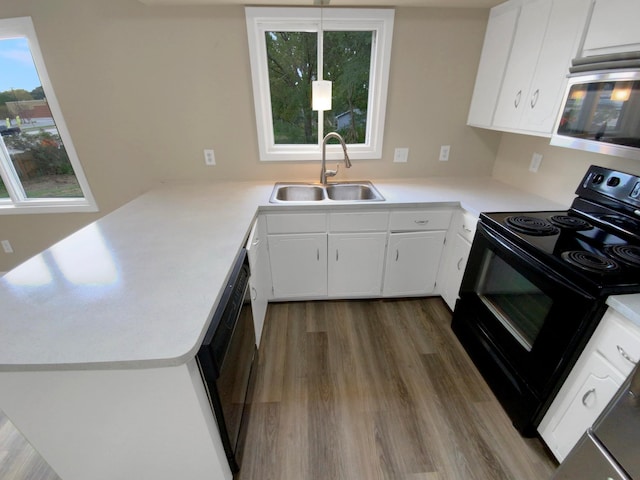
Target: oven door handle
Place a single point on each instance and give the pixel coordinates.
(532, 263)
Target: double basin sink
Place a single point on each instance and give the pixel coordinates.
(314, 192)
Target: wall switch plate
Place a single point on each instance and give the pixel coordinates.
(444, 153)
(536, 160)
(6, 246)
(401, 155)
(209, 157)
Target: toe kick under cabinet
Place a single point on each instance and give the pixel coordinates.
(363, 253)
(606, 361)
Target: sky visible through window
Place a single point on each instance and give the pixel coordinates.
(16, 65)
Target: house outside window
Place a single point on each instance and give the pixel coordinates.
(39, 169)
(290, 48)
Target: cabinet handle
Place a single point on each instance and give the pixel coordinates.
(256, 242)
(318, 254)
(459, 262)
(516, 102)
(468, 230)
(397, 254)
(421, 222)
(337, 255)
(586, 396)
(254, 294)
(534, 98)
(625, 355)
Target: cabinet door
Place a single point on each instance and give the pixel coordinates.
(597, 385)
(298, 265)
(493, 61)
(260, 280)
(460, 249)
(521, 66)
(561, 44)
(613, 27)
(355, 264)
(412, 264)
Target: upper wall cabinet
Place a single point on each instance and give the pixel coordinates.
(547, 36)
(613, 27)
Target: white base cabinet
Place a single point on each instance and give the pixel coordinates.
(458, 246)
(260, 280)
(606, 361)
(412, 263)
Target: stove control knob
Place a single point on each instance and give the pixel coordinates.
(597, 179)
(613, 182)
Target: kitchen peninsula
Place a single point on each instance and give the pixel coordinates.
(100, 331)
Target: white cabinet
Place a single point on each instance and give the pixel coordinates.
(603, 366)
(298, 265)
(416, 240)
(547, 38)
(523, 93)
(456, 254)
(493, 62)
(297, 245)
(356, 261)
(260, 280)
(613, 28)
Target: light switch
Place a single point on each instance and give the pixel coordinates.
(536, 160)
(401, 155)
(6, 246)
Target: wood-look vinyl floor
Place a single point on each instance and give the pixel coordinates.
(368, 390)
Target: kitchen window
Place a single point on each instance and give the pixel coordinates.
(39, 169)
(291, 47)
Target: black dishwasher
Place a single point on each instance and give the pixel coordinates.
(226, 360)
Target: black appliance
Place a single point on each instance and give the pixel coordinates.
(226, 359)
(535, 287)
(609, 450)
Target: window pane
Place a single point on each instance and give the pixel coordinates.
(347, 62)
(3, 190)
(292, 60)
(28, 129)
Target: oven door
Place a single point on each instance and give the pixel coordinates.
(522, 323)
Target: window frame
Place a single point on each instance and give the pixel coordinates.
(303, 19)
(18, 202)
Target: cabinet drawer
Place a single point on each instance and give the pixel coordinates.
(297, 223)
(358, 221)
(619, 343)
(414, 220)
(468, 226)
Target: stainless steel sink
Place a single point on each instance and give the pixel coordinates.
(298, 193)
(313, 192)
(361, 191)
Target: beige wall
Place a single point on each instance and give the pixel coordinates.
(560, 171)
(187, 70)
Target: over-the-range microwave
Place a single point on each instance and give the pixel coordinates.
(601, 107)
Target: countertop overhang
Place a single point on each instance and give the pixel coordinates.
(136, 289)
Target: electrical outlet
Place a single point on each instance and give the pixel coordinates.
(444, 153)
(536, 160)
(209, 157)
(401, 155)
(6, 246)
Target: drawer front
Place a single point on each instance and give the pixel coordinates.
(468, 226)
(358, 221)
(415, 220)
(619, 343)
(297, 223)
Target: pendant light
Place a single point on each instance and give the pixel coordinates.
(321, 89)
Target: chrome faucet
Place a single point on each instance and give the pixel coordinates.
(324, 173)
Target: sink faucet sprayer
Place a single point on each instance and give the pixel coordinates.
(324, 173)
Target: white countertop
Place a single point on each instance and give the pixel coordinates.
(627, 305)
(137, 288)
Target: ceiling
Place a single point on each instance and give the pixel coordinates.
(337, 3)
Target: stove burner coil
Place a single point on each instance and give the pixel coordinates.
(590, 261)
(531, 225)
(569, 222)
(628, 254)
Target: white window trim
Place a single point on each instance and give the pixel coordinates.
(18, 203)
(263, 19)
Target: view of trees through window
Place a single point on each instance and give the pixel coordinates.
(28, 130)
(293, 65)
